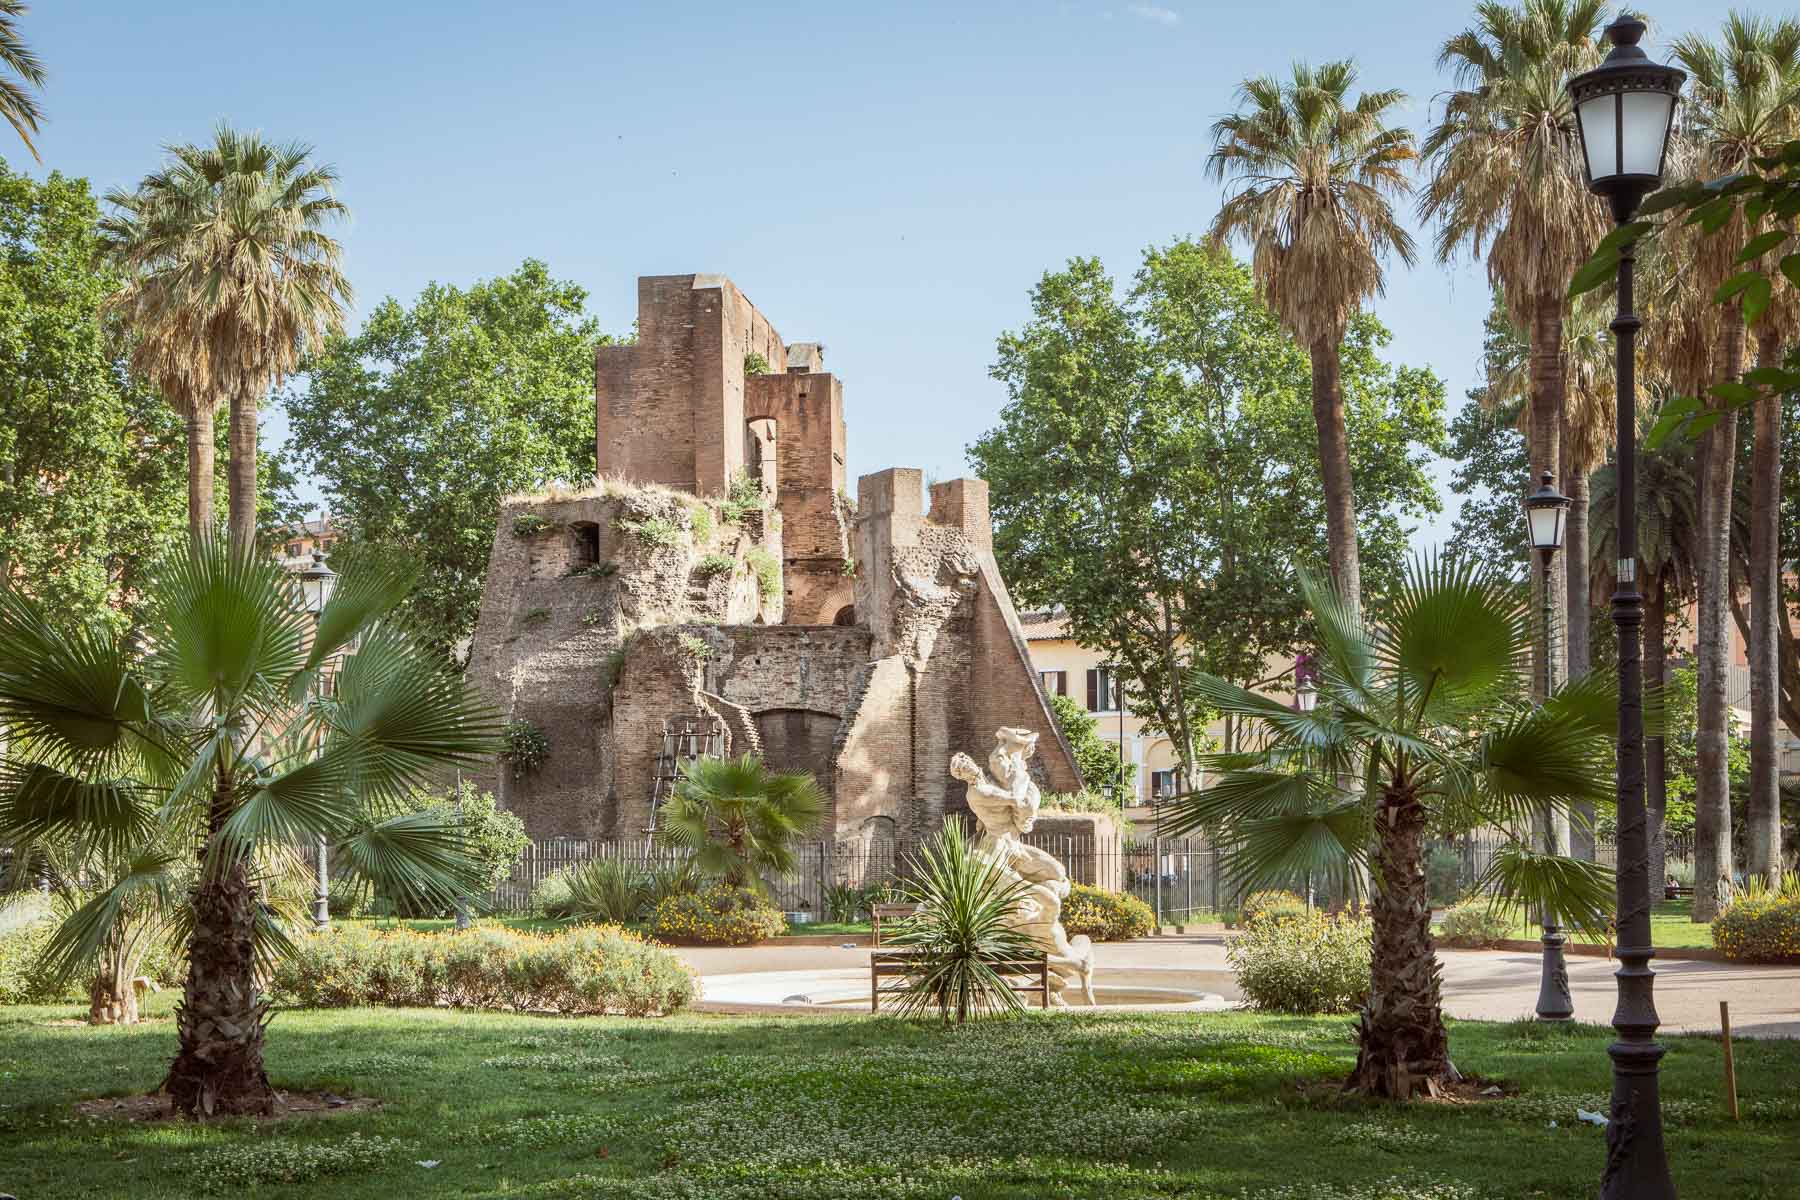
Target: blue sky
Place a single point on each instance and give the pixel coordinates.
(888, 179)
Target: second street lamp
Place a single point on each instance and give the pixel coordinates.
(1546, 515)
(317, 582)
(1625, 108)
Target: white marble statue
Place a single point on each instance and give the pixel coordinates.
(1007, 806)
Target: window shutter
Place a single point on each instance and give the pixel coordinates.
(1093, 690)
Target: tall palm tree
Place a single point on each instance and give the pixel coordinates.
(1429, 702)
(741, 819)
(233, 235)
(208, 740)
(1742, 105)
(1668, 554)
(1506, 181)
(17, 104)
(1316, 175)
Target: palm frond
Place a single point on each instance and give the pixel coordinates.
(39, 802)
(420, 856)
(145, 890)
(1581, 894)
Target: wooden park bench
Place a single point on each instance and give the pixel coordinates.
(888, 912)
(1028, 975)
(1678, 891)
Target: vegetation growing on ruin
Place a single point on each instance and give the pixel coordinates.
(700, 518)
(529, 525)
(717, 564)
(693, 646)
(599, 570)
(755, 364)
(743, 496)
(536, 616)
(767, 569)
(527, 747)
(654, 531)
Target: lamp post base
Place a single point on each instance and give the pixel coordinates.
(1554, 1002)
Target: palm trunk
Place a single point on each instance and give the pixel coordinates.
(1656, 759)
(218, 1070)
(1712, 800)
(1762, 813)
(201, 449)
(1404, 1049)
(1334, 465)
(242, 477)
(112, 1000)
(1578, 639)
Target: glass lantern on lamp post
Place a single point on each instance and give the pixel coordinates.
(317, 582)
(1625, 110)
(1546, 516)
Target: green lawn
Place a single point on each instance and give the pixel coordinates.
(817, 928)
(731, 1107)
(1670, 928)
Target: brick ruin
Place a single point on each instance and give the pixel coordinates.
(716, 591)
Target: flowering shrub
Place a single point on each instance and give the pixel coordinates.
(1760, 929)
(720, 915)
(1258, 905)
(1106, 916)
(1475, 924)
(1306, 964)
(589, 969)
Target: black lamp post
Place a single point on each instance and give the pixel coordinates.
(317, 582)
(1546, 517)
(1625, 109)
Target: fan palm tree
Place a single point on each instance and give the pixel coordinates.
(1668, 555)
(1742, 105)
(1430, 704)
(741, 819)
(231, 266)
(1506, 181)
(1316, 174)
(208, 739)
(17, 104)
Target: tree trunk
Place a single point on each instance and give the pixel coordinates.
(1578, 638)
(218, 1070)
(202, 449)
(1712, 799)
(1334, 465)
(242, 468)
(112, 1000)
(1762, 814)
(1404, 1049)
(1656, 759)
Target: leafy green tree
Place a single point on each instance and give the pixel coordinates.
(740, 819)
(1155, 472)
(233, 278)
(419, 425)
(17, 104)
(196, 735)
(91, 477)
(1426, 709)
(493, 838)
(1102, 767)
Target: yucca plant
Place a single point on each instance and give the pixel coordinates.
(607, 892)
(740, 819)
(203, 736)
(1428, 712)
(962, 929)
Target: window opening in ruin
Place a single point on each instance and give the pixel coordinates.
(760, 455)
(845, 615)
(584, 550)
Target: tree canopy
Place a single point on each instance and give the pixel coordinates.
(1155, 469)
(422, 422)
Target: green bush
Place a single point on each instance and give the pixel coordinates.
(700, 519)
(767, 569)
(1258, 906)
(1760, 929)
(551, 897)
(1303, 964)
(718, 915)
(1475, 924)
(743, 496)
(1443, 875)
(1106, 916)
(590, 969)
(28, 924)
(526, 747)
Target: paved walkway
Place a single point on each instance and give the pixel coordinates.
(1486, 985)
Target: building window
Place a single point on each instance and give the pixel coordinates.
(1056, 683)
(293, 549)
(1102, 690)
(1162, 785)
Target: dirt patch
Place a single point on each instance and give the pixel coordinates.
(1472, 1089)
(156, 1107)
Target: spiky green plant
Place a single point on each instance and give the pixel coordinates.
(1427, 711)
(207, 733)
(740, 819)
(962, 930)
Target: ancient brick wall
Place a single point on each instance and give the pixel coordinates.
(807, 412)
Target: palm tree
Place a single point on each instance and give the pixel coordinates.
(17, 104)
(1741, 106)
(741, 819)
(1316, 175)
(1429, 703)
(207, 739)
(1507, 181)
(1668, 554)
(231, 265)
